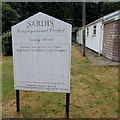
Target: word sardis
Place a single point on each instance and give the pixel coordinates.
(40, 23)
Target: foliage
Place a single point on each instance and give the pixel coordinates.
(8, 15)
(7, 43)
(109, 7)
(65, 10)
(77, 14)
(60, 10)
(92, 11)
(18, 11)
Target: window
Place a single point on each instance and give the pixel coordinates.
(94, 30)
(87, 32)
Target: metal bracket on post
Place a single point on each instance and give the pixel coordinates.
(17, 101)
(67, 104)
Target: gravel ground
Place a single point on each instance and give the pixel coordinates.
(95, 58)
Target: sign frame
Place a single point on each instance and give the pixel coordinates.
(67, 93)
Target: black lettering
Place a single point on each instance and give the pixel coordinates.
(48, 23)
(38, 23)
(51, 22)
(29, 24)
(33, 23)
(43, 23)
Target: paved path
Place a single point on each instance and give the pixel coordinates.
(95, 58)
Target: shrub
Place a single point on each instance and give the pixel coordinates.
(8, 15)
(7, 44)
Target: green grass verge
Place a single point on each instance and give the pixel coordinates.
(94, 93)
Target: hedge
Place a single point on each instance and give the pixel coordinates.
(7, 44)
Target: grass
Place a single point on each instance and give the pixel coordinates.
(0, 74)
(94, 93)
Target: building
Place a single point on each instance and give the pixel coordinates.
(103, 36)
(74, 29)
(111, 37)
(94, 35)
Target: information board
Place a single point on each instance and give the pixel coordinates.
(42, 54)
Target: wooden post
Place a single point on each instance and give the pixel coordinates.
(83, 25)
(17, 100)
(67, 104)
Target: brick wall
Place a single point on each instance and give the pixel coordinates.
(111, 40)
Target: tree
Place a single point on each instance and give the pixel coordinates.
(77, 13)
(60, 10)
(65, 10)
(24, 9)
(109, 7)
(8, 15)
(93, 10)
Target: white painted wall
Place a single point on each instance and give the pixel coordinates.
(42, 54)
(93, 42)
(79, 36)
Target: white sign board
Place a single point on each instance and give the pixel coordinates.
(42, 54)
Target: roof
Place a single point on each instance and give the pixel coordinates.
(98, 20)
(112, 16)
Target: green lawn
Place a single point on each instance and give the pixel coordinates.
(94, 93)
